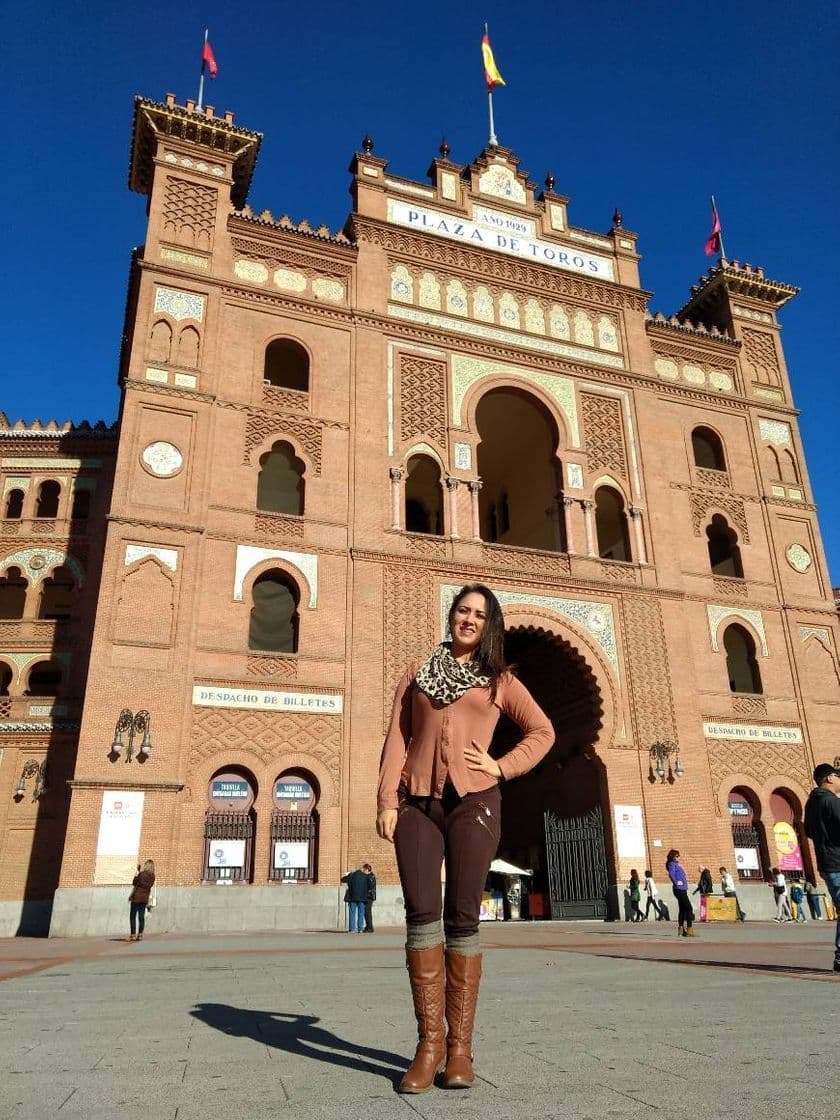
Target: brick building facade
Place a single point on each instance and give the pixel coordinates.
(323, 435)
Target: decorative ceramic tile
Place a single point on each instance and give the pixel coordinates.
(163, 459)
(820, 632)
(180, 305)
(158, 375)
(449, 186)
(253, 271)
(39, 562)
(247, 557)
(289, 281)
(180, 257)
(574, 476)
(717, 612)
(167, 556)
(500, 182)
(557, 216)
(798, 557)
(667, 369)
(467, 371)
(332, 290)
(774, 431)
(21, 462)
(795, 495)
(463, 456)
(720, 380)
(186, 380)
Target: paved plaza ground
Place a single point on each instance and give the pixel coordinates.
(581, 1021)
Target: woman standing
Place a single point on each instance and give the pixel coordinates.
(679, 881)
(439, 801)
(142, 885)
(635, 897)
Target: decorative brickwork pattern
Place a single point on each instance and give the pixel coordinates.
(650, 676)
(287, 400)
(757, 761)
(729, 587)
(219, 731)
(760, 355)
(273, 528)
(427, 546)
(263, 425)
(524, 560)
(408, 625)
(603, 433)
(715, 480)
(282, 667)
(422, 398)
(703, 505)
(189, 213)
(749, 705)
(619, 573)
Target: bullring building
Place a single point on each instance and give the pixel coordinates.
(204, 609)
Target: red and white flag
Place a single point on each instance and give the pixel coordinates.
(713, 243)
(208, 59)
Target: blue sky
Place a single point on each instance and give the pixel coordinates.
(650, 106)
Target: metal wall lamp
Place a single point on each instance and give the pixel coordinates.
(661, 753)
(32, 768)
(135, 724)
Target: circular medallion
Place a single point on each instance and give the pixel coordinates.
(162, 459)
(798, 557)
(596, 621)
(37, 562)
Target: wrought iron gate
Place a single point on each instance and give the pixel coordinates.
(577, 865)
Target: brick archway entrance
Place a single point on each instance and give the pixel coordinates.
(570, 783)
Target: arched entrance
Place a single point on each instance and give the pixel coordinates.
(553, 817)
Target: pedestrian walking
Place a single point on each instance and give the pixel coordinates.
(813, 897)
(780, 893)
(439, 802)
(704, 883)
(371, 897)
(653, 899)
(679, 882)
(356, 895)
(141, 889)
(797, 897)
(635, 897)
(727, 886)
(822, 826)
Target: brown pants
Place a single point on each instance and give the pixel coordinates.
(462, 831)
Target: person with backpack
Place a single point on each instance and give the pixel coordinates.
(797, 897)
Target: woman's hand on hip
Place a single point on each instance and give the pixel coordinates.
(386, 823)
(478, 759)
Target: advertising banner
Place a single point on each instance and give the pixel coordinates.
(746, 859)
(227, 853)
(719, 909)
(787, 846)
(118, 844)
(291, 855)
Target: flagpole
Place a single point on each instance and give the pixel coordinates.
(720, 232)
(199, 103)
(494, 143)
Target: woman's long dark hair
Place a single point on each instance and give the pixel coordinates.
(672, 855)
(490, 653)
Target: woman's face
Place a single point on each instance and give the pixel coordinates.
(468, 622)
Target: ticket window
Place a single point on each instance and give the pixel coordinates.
(294, 831)
(229, 829)
(746, 838)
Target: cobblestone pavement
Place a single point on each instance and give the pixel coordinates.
(582, 1021)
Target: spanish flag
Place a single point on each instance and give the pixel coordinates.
(491, 70)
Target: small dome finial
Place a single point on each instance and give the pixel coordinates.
(367, 144)
(444, 149)
(618, 218)
(549, 180)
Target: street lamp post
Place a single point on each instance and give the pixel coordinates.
(661, 753)
(32, 768)
(133, 723)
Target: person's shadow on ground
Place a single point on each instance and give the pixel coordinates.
(300, 1034)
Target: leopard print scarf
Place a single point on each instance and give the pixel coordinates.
(444, 679)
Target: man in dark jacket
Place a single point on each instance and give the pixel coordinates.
(356, 894)
(822, 826)
(371, 897)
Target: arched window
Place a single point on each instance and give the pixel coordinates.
(741, 663)
(81, 505)
(294, 829)
(724, 553)
(57, 595)
(423, 496)
(286, 365)
(611, 525)
(789, 471)
(229, 826)
(5, 678)
(280, 486)
(14, 505)
(274, 615)
(517, 461)
(12, 594)
(749, 839)
(46, 504)
(44, 679)
(708, 449)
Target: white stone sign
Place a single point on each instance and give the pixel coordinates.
(499, 240)
(266, 699)
(629, 831)
(757, 733)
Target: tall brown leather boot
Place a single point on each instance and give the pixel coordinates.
(425, 973)
(463, 976)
